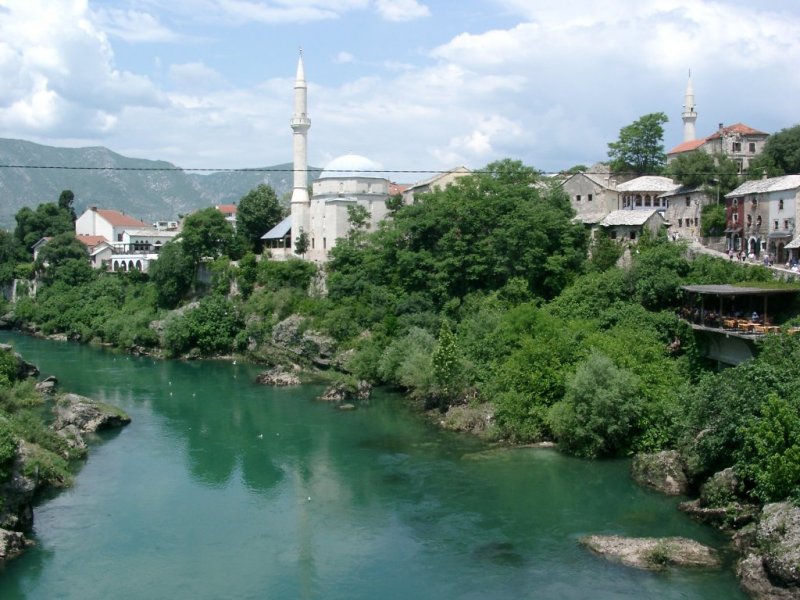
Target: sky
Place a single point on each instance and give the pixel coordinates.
(410, 84)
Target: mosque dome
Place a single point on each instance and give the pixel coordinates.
(352, 165)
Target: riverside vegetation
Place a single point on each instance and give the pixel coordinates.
(478, 300)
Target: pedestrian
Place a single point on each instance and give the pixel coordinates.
(730, 253)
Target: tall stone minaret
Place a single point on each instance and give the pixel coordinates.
(300, 125)
(689, 115)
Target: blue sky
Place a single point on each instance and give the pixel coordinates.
(411, 84)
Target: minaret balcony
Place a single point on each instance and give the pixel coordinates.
(300, 122)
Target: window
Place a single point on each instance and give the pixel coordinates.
(752, 147)
(688, 201)
(780, 204)
(735, 217)
(324, 243)
(633, 235)
(680, 222)
(613, 235)
(749, 220)
(758, 221)
(786, 223)
(578, 198)
(775, 224)
(735, 203)
(119, 237)
(312, 243)
(589, 198)
(755, 202)
(737, 146)
(638, 200)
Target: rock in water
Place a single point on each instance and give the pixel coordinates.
(778, 535)
(277, 376)
(86, 415)
(662, 471)
(653, 553)
(12, 543)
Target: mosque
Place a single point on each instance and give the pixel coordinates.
(347, 181)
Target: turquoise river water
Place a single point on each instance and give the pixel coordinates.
(220, 488)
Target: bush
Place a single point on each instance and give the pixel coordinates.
(600, 410)
(769, 461)
(8, 449)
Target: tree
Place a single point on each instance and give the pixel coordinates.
(358, 217)
(600, 410)
(172, 274)
(48, 220)
(718, 174)
(301, 243)
(65, 202)
(713, 220)
(66, 259)
(640, 147)
(206, 234)
(781, 154)
(258, 212)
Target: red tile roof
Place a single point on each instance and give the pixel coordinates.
(688, 146)
(90, 241)
(227, 209)
(739, 128)
(398, 188)
(118, 219)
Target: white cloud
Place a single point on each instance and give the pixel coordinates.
(401, 10)
(63, 73)
(136, 26)
(343, 57)
(195, 76)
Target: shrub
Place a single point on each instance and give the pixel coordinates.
(600, 410)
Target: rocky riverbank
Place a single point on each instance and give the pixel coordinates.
(767, 538)
(37, 455)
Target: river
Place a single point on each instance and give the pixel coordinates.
(220, 488)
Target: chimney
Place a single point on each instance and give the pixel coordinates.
(721, 127)
(93, 209)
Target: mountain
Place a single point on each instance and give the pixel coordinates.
(99, 177)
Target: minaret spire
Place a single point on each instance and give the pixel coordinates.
(300, 124)
(689, 115)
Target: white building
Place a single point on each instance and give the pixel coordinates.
(107, 223)
(645, 193)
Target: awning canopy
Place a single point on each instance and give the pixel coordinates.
(280, 230)
(795, 243)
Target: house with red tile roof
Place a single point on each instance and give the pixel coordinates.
(740, 142)
(106, 223)
(229, 211)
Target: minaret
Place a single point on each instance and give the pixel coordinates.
(689, 115)
(300, 125)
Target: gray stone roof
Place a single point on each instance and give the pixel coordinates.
(627, 217)
(763, 186)
(648, 183)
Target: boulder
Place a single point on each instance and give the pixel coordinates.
(277, 376)
(86, 415)
(12, 543)
(755, 581)
(334, 393)
(734, 515)
(341, 391)
(347, 407)
(24, 368)
(662, 471)
(47, 385)
(778, 536)
(291, 335)
(653, 553)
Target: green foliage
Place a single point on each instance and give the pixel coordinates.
(8, 448)
(247, 274)
(172, 274)
(293, 273)
(66, 202)
(769, 460)
(257, 213)
(781, 155)
(358, 217)
(600, 410)
(604, 251)
(475, 234)
(48, 220)
(446, 362)
(406, 362)
(657, 272)
(713, 219)
(640, 147)
(65, 259)
(206, 234)
(212, 328)
(717, 174)
(301, 243)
